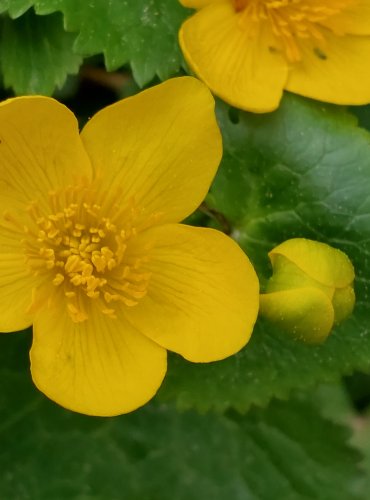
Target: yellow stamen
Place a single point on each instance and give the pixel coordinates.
(291, 22)
(77, 245)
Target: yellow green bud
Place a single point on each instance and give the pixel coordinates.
(310, 290)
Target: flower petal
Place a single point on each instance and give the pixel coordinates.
(304, 313)
(243, 70)
(40, 149)
(99, 367)
(202, 299)
(161, 147)
(343, 303)
(337, 74)
(16, 284)
(354, 20)
(319, 261)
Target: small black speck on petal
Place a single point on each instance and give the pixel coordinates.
(320, 54)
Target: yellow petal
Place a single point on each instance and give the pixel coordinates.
(40, 149)
(287, 275)
(319, 261)
(337, 73)
(16, 284)
(306, 313)
(243, 70)
(202, 299)
(343, 302)
(98, 367)
(161, 147)
(354, 20)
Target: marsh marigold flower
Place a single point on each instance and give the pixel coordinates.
(248, 51)
(91, 252)
(311, 289)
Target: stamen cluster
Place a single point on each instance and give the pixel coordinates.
(82, 250)
(291, 20)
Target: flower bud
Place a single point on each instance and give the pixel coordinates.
(311, 289)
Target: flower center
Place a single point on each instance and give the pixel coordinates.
(81, 247)
(291, 22)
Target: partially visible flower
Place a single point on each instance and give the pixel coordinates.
(310, 290)
(92, 254)
(248, 51)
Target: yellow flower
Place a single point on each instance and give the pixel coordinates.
(311, 289)
(248, 51)
(92, 254)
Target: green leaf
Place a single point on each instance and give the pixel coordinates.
(361, 440)
(287, 452)
(363, 115)
(15, 8)
(335, 402)
(303, 171)
(140, 32)
(36, 53)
